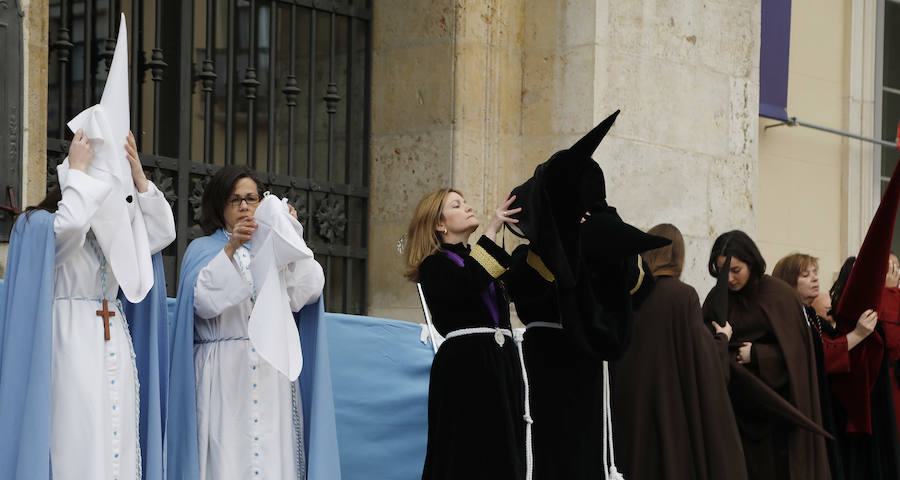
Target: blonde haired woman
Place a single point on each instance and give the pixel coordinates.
(476, 424)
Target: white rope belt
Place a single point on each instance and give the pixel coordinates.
(529, 455)
(477, 330)
(553, 325)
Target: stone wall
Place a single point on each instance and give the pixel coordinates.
(476, 94)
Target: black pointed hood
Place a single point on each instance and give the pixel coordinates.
(556, 198)
(594, 261)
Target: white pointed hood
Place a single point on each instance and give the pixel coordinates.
(118, 224)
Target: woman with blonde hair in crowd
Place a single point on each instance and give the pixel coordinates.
(476, 423)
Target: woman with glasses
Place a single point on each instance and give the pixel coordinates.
(248, 418)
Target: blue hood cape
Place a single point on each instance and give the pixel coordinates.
(26, 316)
(319, 430)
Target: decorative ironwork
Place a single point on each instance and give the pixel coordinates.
(331, 219)
(198, 186)
(253, 88)
(165, 184)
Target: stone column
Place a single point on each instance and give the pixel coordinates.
(413, 48)
(685, 75)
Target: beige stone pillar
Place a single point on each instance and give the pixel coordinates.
(413, 52)
(446, 96)
(685, 75)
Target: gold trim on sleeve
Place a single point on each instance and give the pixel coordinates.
(640, 279)
(535, 262)
(488, 262)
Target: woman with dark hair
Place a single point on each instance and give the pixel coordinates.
(774, 343)
(671, 409)
(247, 412)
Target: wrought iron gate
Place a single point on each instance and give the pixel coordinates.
(281, 86)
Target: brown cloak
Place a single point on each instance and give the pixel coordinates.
(672, 415)
(788, 365)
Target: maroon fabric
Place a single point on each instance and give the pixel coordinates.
(854, 388)
(866, 283)
(889, 317)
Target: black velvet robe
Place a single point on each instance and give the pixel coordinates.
(566, 382)
(672, 415)
(476, 425)
(783, 357)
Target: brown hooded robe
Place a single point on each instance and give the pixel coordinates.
(784, 358)
(671, 411)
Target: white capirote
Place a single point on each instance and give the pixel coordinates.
(94, 393)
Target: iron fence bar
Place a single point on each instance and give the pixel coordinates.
(87, 86)
(331, 98)
(348, 130)
(270, 148)
(137, 70)
(185, 74)
(311, 120)
(250, 84)
(63, 45)
(229, 86)
(109, 44)
(208, 77)
(328, 278)
(365, 163)
(157, 66)
(291, 90)
(348, 124)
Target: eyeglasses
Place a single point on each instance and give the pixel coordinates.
(251, 199)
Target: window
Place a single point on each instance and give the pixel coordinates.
(887, 93)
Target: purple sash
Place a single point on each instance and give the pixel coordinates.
(489, 296)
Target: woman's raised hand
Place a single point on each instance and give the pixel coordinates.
(501, 215)
(80, 152)
(137, 170)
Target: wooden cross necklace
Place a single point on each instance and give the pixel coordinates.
(105, 313)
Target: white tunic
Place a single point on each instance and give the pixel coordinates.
(249, 420)
(94, 404)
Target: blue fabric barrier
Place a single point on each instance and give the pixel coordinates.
(380, 370)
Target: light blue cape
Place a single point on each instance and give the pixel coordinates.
(26, 316)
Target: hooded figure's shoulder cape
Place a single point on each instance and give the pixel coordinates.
(319, 430)
(26, 354)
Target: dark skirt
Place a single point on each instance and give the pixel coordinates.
(476, 425)
(567, 407)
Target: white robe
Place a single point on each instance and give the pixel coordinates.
(94, 395)
(249, 420)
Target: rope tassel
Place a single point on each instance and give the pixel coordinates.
(609, 455)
